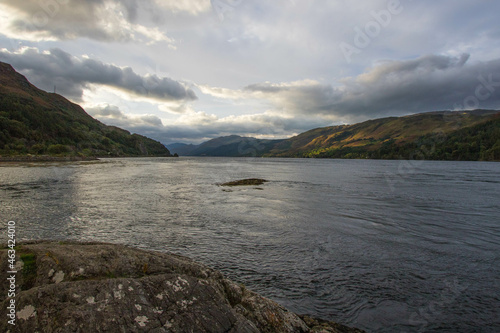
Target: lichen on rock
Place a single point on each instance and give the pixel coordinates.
(111, 293)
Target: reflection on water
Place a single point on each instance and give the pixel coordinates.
(358, 242)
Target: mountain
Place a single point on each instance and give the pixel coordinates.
(232, 145)
(443, 135)
(183, 149)
(36, 122)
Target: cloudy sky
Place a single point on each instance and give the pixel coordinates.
(191, 70)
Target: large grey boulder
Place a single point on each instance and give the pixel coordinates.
(95, 287)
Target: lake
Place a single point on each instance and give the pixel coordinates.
(386, 246)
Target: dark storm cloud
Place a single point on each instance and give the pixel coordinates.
(432, 82)
(71, 75)
(424, 84)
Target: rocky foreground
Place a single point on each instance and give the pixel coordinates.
(95, 287)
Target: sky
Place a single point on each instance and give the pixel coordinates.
(191, 70)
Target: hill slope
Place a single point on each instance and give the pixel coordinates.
(472, 135)
(36, 122)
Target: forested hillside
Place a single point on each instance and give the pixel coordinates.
(35, 122)
(473, 135)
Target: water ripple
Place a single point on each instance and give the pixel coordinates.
(331, 238)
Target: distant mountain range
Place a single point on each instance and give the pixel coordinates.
(232, 145)
(35, 122)
(444, 135)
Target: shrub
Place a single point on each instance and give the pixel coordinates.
(58, 149)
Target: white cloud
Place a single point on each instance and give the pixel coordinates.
(224, 93)
(198, 126)
(192, 7)
(112, 115)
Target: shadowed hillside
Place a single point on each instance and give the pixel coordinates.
(35, 122)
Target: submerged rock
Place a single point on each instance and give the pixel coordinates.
(96, 287)
(245, 182)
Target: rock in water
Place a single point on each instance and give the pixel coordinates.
(96, 287)
(245, 182)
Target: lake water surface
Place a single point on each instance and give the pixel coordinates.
(387, 246)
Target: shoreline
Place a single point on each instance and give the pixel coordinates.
(48, 158)
(45, 158)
